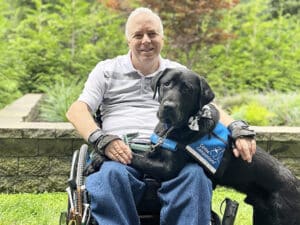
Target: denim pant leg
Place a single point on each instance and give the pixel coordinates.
(186, 199)
(115, 190)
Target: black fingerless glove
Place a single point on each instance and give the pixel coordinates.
(240, 129)
(99, 140)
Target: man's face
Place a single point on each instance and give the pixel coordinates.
(145, 40)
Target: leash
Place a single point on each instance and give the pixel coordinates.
(144, 147)
(162, 140)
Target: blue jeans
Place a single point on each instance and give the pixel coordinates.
(116, 189)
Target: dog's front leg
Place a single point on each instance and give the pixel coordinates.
(156, 167)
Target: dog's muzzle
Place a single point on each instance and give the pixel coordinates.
(170, 113)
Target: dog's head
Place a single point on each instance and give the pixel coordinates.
(181, 93)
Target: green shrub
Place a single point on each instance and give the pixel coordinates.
(272, 108)
(253, 113)
(286, 107)
(43, 41)
(263, 56)
(58, 99)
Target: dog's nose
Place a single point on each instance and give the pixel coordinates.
(169, 105)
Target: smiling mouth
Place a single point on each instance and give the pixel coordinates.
(147, 50)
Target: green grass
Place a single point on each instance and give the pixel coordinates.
(31, 209)
(44, 209)
(244, 215)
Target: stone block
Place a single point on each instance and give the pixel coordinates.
(31, 184)
(57, 183)
(7, 184)
(263, 136)
(55, 147)
(60, 166)
(66, 133)
(18, 147)
(9, 166)
(38, 133)
(77, 144)
(293, 164)
(34, 166)
(11, 133)
(285, 149)
(263, 144)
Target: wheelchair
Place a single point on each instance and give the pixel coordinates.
(79, 211)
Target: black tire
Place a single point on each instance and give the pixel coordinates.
(83, 154)
(74, 164)
(72, 182)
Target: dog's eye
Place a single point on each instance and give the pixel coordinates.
(185, 88)
(167, 84)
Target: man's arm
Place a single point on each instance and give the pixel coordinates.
(79, 114)
(244, 147)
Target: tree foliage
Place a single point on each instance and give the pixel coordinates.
(264, 56)
(238, 47)
(48, 40)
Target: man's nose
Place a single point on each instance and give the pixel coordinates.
(146, 38)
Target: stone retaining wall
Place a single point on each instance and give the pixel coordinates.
(36, 156)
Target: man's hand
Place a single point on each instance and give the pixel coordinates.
(245, 147)
(243, 140)
(117, 150)
(111, 146)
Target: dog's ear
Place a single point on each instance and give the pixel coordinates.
(206, 93)
(155, 81)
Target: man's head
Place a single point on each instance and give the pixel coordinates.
(144, 33)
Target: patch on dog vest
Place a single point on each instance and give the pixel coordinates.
(209, 150)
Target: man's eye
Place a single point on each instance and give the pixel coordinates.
(138, 36)
(152, 35)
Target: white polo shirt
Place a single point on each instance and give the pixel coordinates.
(124, 96)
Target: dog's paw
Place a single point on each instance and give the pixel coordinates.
(89, 170)
(95, 165)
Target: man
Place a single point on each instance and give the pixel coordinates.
(121, 87)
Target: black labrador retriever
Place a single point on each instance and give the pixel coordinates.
(272, 190)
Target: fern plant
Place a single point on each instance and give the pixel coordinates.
(58, 99)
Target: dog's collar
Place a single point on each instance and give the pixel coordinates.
(163, 142)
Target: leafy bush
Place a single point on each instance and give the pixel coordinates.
(264, 56)
(9, 86)
(273, 108)
(58, 99)
(43, 42)
(253, 113)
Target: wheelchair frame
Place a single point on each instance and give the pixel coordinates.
(79, 212)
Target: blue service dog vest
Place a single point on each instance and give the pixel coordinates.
(208, 150)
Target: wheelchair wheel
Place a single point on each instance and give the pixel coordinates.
(82, 204)
(78, 212)
(82, 158)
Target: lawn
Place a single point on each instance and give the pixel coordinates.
(44, 209)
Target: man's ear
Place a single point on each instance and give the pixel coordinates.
(155, 81)
(206, 93)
